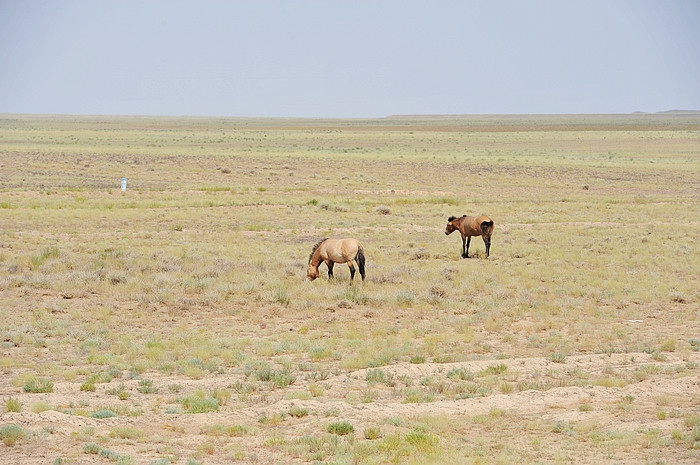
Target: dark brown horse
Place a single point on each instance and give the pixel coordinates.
(470, 226)
(332, 251)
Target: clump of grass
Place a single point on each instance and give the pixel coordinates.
(91, 448)
(119, 391)
(417, 359)
(115, 456)
(103, 413)
(416, 396)
(341, 428)
(222, 430)
(41, 406)
(160, 461)
(10, 434)
(669, 345)
(39, 385)
(88, 386)
(146, 387)
(405, 298)
(316, 390)
(126, 433)
(298, 412)
(372, 433)
(37, 260)
(199, 402)
(460, 374)
(281, 296)
(379, 376)
(557, 357)
(355, 295)
(585, 407)
(422, 441)
(494, 370)
(273, 420)
(13, 405)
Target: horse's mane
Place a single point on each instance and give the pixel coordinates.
(316, 246)
(452, 218)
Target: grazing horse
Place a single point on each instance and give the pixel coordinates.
(332, 251)
(470, 226)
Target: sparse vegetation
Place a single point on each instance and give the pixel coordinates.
(340, 428)
(13, 405)
(10, 434)
(38, 385)
(185, 294)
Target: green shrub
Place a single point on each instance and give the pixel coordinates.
(146, 387)
(298, 412)
(38, 385)
(378, 376)
(104, 413)
(340, 428)
(88, 386)
(372, 433)
(10, 434)
(199, 403)
(461, 374)
(91, 448)
(221, 430)
(162, 461)
(13, 405)
(494, 370)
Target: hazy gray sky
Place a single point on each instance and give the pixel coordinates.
(348, 58)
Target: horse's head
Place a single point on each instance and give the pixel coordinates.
(450, 228)
(312, 272)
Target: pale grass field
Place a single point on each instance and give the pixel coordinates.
(171, 323)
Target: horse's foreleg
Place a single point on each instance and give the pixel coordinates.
(466, 249)
(330, 264)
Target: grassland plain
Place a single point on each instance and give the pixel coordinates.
(171, 323)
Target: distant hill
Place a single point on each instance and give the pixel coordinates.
(452, 116)
(680, 112)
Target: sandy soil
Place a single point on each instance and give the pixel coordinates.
(183, 431)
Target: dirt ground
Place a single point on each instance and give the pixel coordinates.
(624, 411)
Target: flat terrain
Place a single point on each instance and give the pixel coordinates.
(171, 322)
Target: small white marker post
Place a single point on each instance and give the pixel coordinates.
(123, 184)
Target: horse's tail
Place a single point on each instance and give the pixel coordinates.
(487, 227)
(360, 259)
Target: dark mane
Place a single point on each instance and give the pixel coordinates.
(316, 246)
(451, 218)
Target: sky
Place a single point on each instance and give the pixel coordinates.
(348, 59)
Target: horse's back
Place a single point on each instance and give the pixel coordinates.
(340, 250)
(350, 247)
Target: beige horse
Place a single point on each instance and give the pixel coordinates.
(332, 251)
(470, 226)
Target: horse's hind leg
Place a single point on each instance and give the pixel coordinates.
(487, 242)
(352, 271)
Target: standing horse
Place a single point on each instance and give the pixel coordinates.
(332, 251)
(470, 226)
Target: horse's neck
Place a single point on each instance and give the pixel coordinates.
(316, 257)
